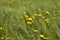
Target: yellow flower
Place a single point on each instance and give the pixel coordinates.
(29, 23)
(47, 20)
(1, 28)
(47, 12)
(29, 18)
(35, 31)
(42, 36)
(2, 38)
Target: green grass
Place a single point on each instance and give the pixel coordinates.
(16, 28)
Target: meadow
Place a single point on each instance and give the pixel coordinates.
(29, 19)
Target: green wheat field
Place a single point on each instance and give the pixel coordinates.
(29, 19)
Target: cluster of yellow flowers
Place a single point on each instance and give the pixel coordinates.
(1, 28)
(41, 35)
(47, 20)
(29, 20)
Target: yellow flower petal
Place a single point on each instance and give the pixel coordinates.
(42, 36)
(29, 19)
(47, 12)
